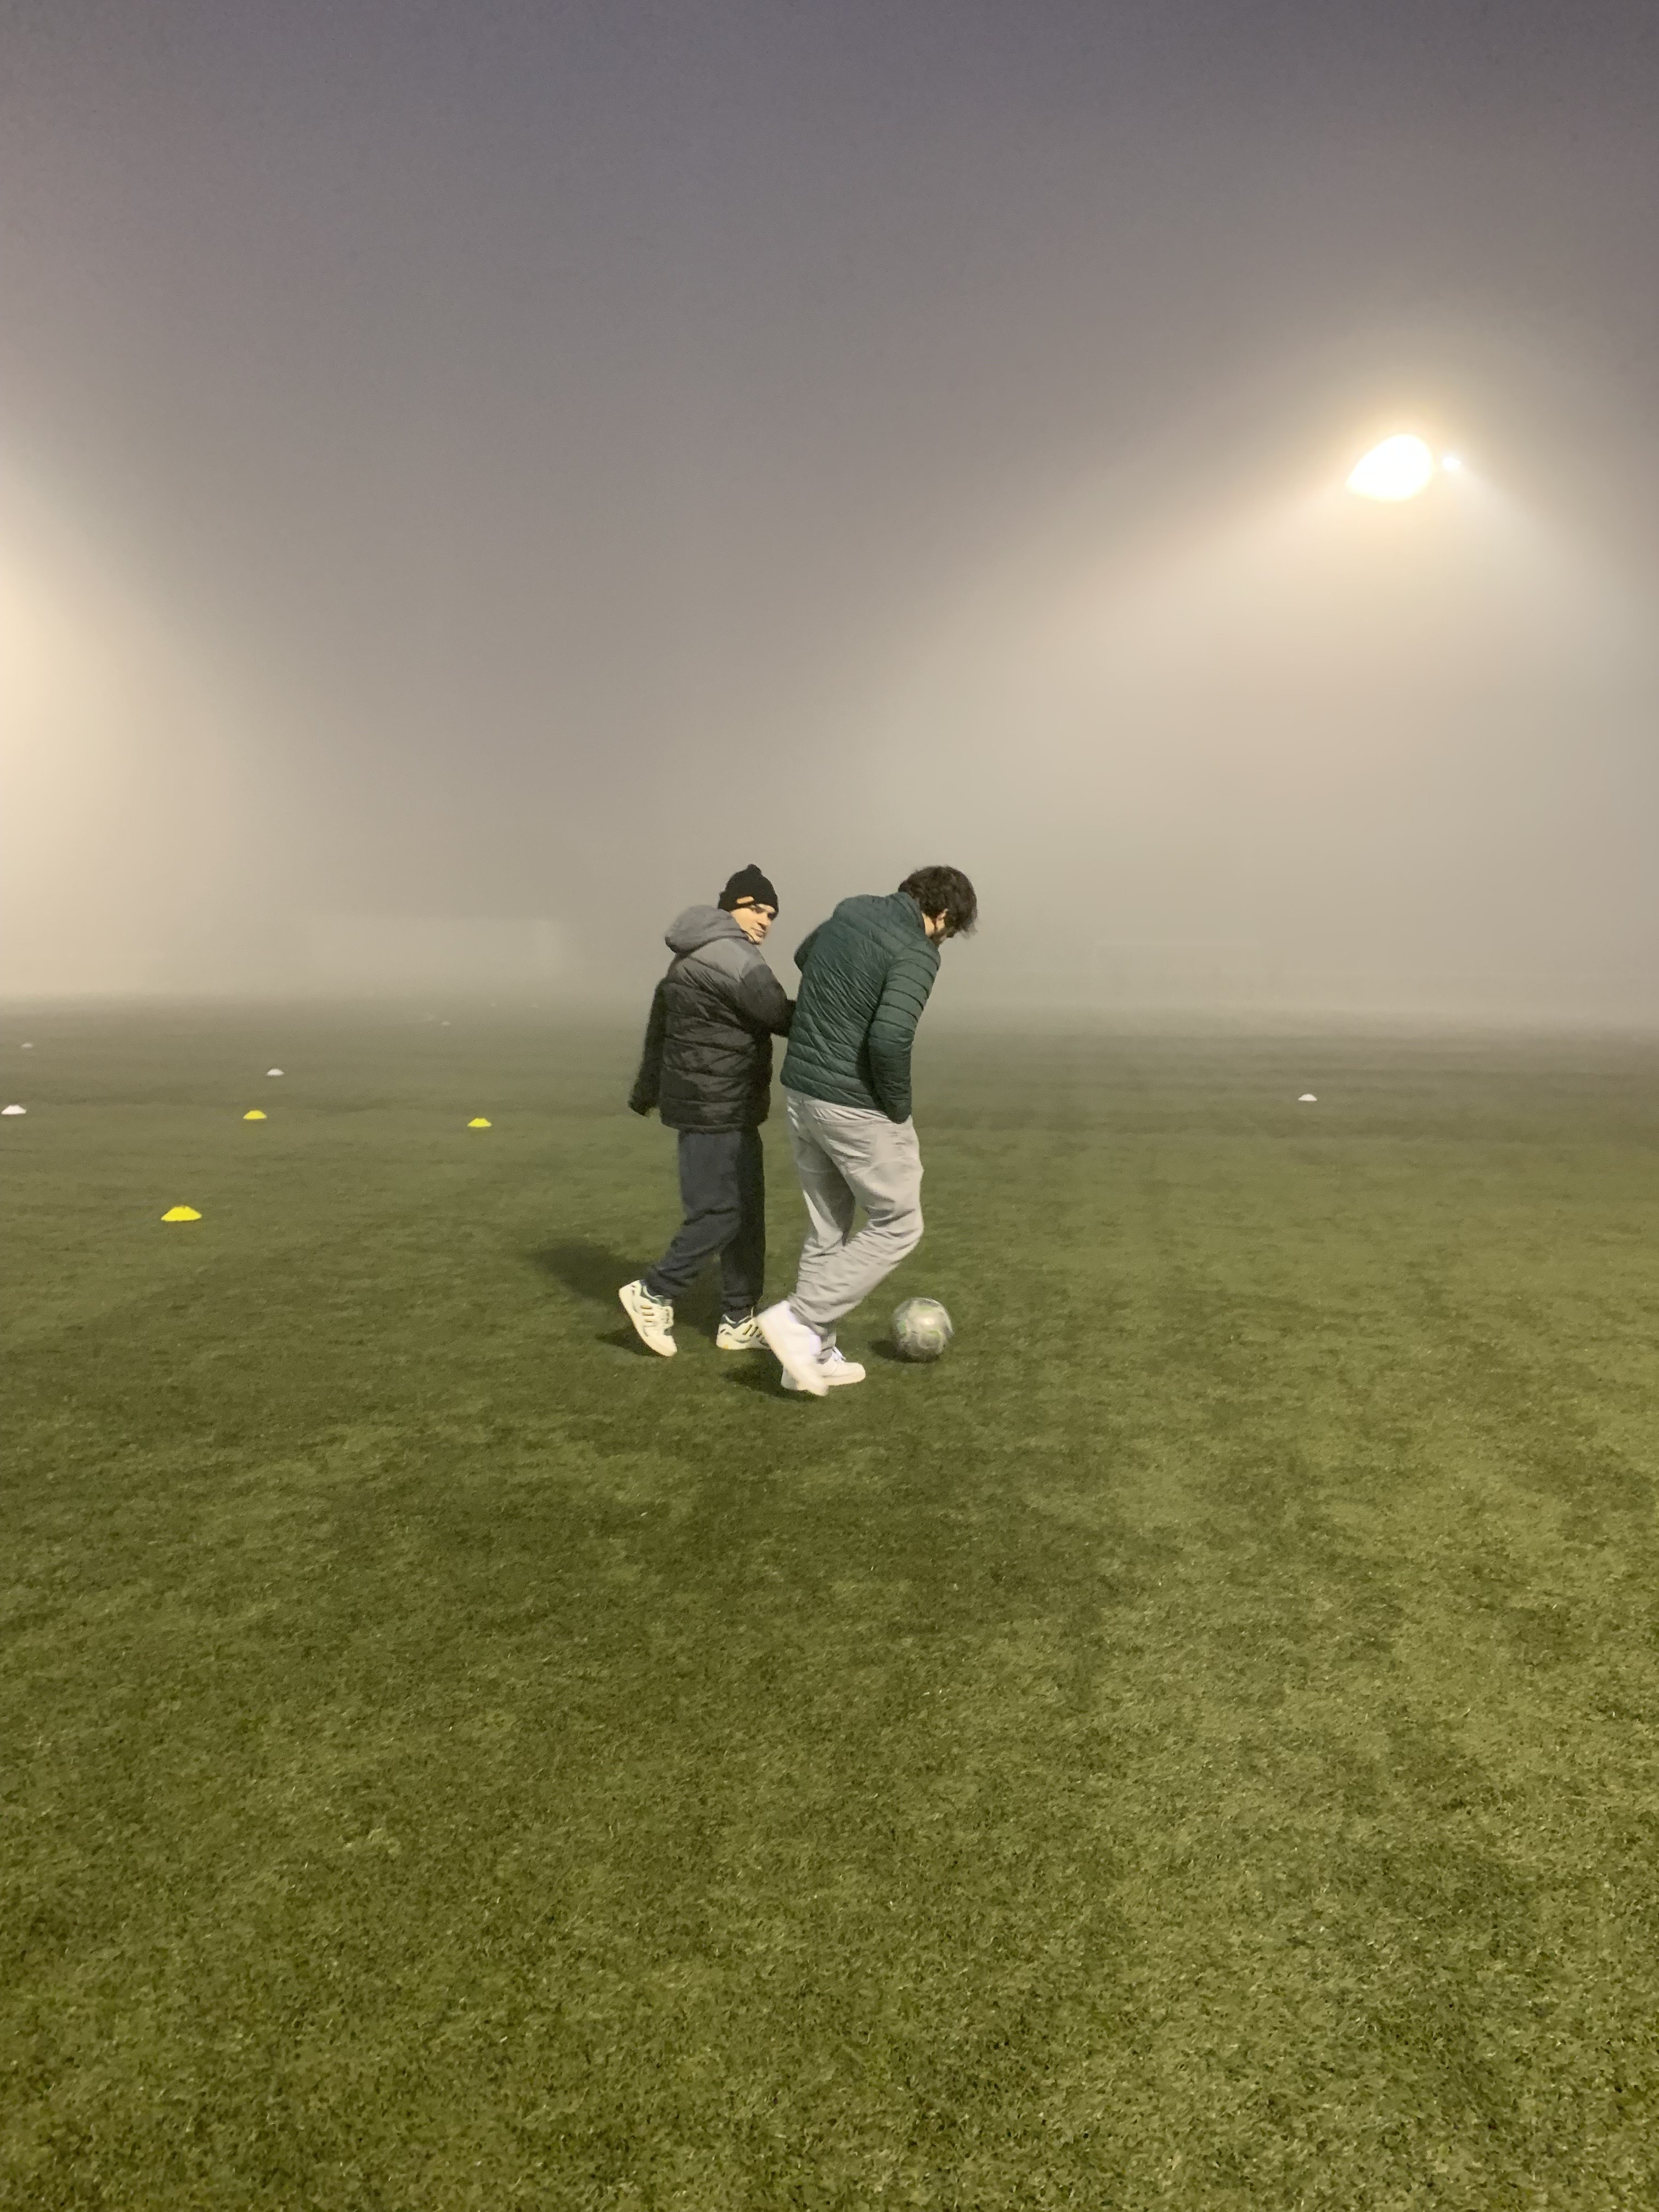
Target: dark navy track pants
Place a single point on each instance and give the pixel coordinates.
(723, 1190)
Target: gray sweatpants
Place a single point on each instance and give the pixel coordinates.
(848, 1156)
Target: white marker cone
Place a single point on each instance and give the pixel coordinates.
(1307, 1099)
(13, 1110)
(273, 1071)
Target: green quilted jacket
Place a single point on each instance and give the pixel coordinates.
(864, 976)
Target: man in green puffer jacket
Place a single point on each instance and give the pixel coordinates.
(865, 977)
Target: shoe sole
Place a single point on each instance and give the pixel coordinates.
(817, 1387)
(663, 1351)
(846, 1383)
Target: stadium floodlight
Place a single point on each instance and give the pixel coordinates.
(1399, 468)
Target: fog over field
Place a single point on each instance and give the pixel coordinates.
(471, 478)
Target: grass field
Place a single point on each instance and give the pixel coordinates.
(1194, 1746)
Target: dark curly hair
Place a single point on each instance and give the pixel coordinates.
(946, 891)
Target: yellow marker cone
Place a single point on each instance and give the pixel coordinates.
(256, 1115)
(181, 1213)
(479, 1124)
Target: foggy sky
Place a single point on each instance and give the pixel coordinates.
(516, 463)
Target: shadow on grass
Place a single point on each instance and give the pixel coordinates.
(590, 1270)
(626, 1343)
(761, 1374)
(594, 1271)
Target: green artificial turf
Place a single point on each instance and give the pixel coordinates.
(1194, 1747)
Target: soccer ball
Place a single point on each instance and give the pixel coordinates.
(921, 1328)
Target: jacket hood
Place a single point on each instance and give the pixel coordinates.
(699, 926)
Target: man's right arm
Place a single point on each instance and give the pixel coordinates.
(893, 1032)
(763, 999)
(647, 1084)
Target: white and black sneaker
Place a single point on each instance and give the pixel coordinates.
(653, 1318)
(745, 1335)
(834, 1367)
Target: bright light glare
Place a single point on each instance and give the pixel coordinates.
(1450, 461)
(1397, 469)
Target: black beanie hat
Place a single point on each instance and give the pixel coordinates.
(749, 884)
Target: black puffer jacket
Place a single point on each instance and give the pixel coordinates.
(707, 1060)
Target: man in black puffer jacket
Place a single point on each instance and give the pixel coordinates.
(708, 1069)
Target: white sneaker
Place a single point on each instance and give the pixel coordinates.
(834, 1367)
(653, 1317)
(797, 1347)
(740, 1335)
